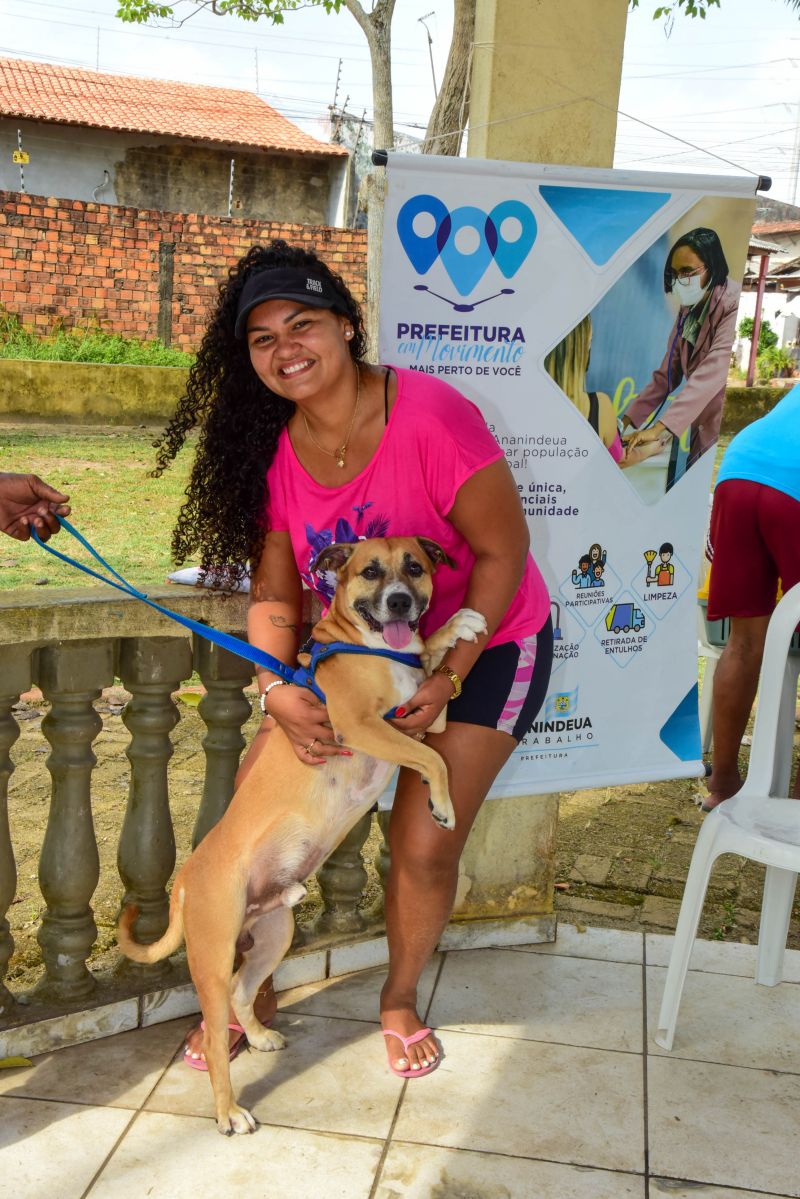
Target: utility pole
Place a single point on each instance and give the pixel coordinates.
(422, 21)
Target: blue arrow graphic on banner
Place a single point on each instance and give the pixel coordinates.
(602, 219)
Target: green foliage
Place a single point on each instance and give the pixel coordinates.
(691, 8)
(140, 11)
(767, 337)
(774, 363)
(91, 344)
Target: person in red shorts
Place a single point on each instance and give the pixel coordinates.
(754, 547)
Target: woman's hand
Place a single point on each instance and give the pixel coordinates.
(305, 722)
(27, 502)
(653, 432)
(425, 705)
(640, 453)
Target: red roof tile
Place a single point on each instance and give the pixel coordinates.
(770, 227)
(64, 95)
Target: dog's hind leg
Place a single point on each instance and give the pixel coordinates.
(272, 936)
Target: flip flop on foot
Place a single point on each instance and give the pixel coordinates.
(238, 1044)
(415, 1071)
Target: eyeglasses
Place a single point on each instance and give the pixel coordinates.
(684, 272)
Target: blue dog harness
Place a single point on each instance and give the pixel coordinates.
(300, 676)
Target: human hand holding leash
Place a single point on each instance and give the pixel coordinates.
(26, 501)
(305, 722)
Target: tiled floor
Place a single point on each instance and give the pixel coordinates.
(551, 1088)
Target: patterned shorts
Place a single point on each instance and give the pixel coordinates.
(506, 687)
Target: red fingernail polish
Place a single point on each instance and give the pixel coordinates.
(348, 753)
(400, 712)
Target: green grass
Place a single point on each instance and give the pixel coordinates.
(92, 344)
(127, 516)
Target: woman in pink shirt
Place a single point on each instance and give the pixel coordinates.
(304, 444)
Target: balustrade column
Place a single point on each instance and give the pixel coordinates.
(151, 668)
(71, 675)
(16, 678)
(383, 858)
(225, 710)
(342, 879)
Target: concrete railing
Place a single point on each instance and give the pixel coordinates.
(72, 644)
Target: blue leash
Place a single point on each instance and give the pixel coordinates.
(301, 676)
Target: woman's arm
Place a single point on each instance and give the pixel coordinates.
(488, 514)
(274, 621)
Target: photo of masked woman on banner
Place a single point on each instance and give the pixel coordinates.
(697, 357)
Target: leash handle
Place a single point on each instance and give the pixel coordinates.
(234, 645)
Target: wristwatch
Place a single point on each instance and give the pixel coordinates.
(453, 677)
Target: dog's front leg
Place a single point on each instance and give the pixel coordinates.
(463, 625)
(371, 734)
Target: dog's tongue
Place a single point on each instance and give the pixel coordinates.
(397, 634)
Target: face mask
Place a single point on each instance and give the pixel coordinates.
(689, 291)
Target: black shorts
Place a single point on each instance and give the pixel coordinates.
(506, 687)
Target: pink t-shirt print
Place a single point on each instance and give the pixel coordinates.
(434, 441)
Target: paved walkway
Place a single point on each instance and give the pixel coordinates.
(551, 1088)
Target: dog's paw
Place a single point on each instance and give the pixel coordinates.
(443, 814)
(236, 1120)
(467, 624)
(266, 1040)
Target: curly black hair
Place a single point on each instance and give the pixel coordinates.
(224, 517)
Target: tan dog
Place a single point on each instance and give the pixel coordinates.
(237, 889)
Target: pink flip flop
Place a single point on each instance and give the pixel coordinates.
(199, 1063)
(412, 1040)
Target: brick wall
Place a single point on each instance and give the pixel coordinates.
(79, 262)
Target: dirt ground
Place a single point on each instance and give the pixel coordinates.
(622, 852)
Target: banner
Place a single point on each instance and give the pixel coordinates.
(551, 296)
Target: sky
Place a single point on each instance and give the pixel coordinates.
(729, 84)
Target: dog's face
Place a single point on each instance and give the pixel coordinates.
(384, 584)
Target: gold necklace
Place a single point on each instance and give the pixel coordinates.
(339, 453)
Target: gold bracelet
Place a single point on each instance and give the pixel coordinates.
(453, 677)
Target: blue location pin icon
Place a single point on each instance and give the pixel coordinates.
(509, 254)
(466, 268)
(422, 251)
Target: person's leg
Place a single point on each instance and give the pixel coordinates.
(735, 683)
(423, 874)
(265, 1004)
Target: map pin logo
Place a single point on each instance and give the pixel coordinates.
(509, 253)
(466, 269)
(422, 251)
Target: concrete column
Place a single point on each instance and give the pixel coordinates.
(224, 709)
(545, 80)
(544, 88)
(151, 668)
(16, 674)
(71, 675)
(342, 879)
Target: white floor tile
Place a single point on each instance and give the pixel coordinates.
(667, 1188)
(175, 1157)
(354, 996)
(724, 1125)
(730, 1020)
(117, 1071)
(719, 957)
(582, 1106)
(605, 944)
(420, 1172)
(572, 1001)
(331, 1077)
(53, 1149)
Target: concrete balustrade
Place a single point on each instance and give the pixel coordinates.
(72, 644)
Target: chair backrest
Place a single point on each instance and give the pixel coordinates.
(771, 753)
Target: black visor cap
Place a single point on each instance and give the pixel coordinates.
(284, 283)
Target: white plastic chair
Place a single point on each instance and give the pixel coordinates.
(758, 823)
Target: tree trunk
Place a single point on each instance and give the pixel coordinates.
(377, 27)
(451, 110)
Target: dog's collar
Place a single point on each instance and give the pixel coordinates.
(319, 651)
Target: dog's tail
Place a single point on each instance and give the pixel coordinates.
(167, 944)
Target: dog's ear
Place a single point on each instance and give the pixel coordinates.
(333, 557)
(435, 552)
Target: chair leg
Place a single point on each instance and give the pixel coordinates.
(705, 704)
(776, 910)
(706, 851)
